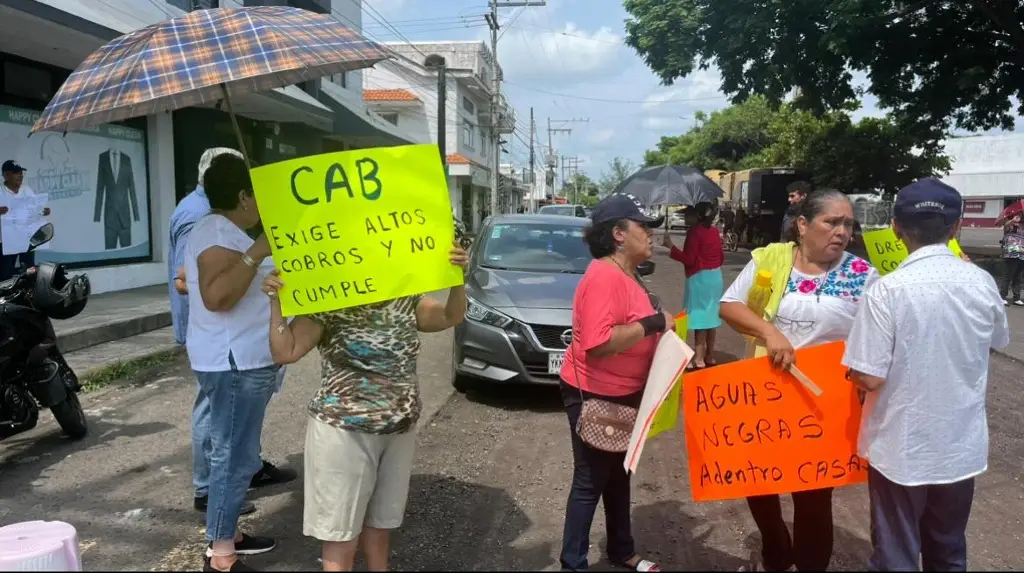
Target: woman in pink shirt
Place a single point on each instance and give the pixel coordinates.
(616, 324)
(702, 256)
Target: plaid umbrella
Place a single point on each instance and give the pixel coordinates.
(202, 57)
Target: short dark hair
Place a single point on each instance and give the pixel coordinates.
(226, 176)
(600, 239)
(801, 187)
(926, 229)
(810, 208)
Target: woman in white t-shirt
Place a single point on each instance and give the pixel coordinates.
(818, 304)
(229, 348)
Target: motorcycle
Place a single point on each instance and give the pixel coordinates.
(33, 372)
(462, 236)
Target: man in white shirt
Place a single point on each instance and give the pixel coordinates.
(919, 348)
(14, 177)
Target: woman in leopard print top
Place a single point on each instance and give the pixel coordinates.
(360, 437)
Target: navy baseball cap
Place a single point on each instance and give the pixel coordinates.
(12, 165)
(928, 196)
(619, 206)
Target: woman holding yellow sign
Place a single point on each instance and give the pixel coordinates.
(361, 436)
(815, 290)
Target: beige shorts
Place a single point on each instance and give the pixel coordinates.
(354, 479)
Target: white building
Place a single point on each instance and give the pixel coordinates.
(123, 241)
(404, 92)
(988, 170)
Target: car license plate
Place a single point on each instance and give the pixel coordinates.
(555, 360)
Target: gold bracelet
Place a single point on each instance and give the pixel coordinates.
(248, 261)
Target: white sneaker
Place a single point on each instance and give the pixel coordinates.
(1019, 302)
(1006, 302)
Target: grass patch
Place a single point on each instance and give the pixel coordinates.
(122, 370)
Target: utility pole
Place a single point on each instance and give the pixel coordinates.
(533, 174)
(533, 135)
(552, 129)
(437, 63)
(561, 158)
(496, 115)
(574, 170)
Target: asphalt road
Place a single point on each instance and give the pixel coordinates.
(488, 490)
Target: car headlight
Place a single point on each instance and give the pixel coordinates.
(480, 313)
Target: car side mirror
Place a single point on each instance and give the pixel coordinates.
(645, 268)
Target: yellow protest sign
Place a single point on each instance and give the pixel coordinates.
(667, 415)
(357, 227)
(886, 252)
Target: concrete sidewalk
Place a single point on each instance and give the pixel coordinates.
(1015, 351)
(117, 327)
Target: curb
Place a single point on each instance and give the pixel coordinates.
(427, 416)
(1007, 356)
(125, 372)
(84, 337)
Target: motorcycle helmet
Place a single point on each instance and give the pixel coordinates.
(56, 295)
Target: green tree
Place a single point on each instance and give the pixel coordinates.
(933, 63)
(873, 154)
(578, 187)
(721, 140)
(618, 170)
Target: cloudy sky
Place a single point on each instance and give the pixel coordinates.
(567, 61)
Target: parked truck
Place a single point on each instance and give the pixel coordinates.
(760, 200)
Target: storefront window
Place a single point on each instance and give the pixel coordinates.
(98, 187)
(29, 82)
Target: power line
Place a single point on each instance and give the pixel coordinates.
(522, 87)
(373, 13)
(618, 42)
(440, 18)
(432, 31)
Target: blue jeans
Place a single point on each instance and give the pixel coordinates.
(201, 446)
(912, 523)
(237, 401)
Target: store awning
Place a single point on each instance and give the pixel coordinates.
(356, 124)
(285, 105)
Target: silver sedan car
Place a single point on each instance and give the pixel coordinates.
(522, 276)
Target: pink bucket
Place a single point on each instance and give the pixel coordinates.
(39, 546)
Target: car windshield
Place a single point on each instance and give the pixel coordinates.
(536, 247)
(557, 210)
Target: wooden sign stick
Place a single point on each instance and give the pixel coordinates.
(805, 380)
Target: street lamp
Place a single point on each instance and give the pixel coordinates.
(436, 62)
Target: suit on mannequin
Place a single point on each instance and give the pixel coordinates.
(115, 180)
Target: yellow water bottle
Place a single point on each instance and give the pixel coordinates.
(757, 301)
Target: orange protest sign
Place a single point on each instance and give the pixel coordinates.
(753, 430)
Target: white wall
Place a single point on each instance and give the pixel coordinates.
(391, 75)
(160, 133)
(481, 152)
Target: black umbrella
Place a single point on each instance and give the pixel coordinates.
(670, 185)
